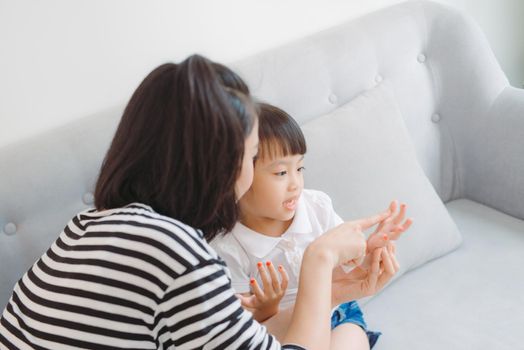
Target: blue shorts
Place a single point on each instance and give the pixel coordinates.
(351, 313)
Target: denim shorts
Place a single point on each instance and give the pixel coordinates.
(351, 313)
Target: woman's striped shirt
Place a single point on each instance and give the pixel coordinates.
(129, 278)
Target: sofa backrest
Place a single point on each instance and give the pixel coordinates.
(438, 62)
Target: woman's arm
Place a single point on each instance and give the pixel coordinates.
(383, 267)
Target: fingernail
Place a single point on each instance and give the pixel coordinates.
(385, 237)
(280, 267)
(252, 281)
(259, 264)
(268, 263)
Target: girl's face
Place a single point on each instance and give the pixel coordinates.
(246, 173)
(277, 185)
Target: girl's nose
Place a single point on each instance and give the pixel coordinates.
(293, 182)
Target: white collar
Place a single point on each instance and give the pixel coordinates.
(261, 245)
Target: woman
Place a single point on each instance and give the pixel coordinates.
(136, 272)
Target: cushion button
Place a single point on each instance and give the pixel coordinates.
(421, 58)
(333, 98)
(88, 198)
(10, 228)
(435, 118)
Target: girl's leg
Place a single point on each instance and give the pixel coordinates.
(349, 336)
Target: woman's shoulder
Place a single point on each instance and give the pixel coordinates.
(140, 226)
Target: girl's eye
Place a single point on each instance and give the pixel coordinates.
(301, 169)
(281, 173)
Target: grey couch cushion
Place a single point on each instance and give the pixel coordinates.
(471, 298)
(361, 155)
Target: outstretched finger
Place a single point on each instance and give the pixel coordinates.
(391, 250)
(255, 288)
(264, 276)
(372, 220)
(392, 208)
(374, 272)
(388, 269)
(284, 276)
(274, 277)
(401, 214)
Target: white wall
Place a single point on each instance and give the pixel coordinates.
(62, 59)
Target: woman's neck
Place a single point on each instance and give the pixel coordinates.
(266, 226)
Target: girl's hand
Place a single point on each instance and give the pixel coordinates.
(389, 229)
(264, 303)
(361, 283)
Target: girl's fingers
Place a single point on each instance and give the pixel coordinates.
(400, 217)
(391, 209)
(284, 277)
(399, 230)
(247, 301)
(393, 206)
(264, 277)
(274, 277)
(255, 288)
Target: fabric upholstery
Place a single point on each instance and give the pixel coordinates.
(470, 299)
(361, 155)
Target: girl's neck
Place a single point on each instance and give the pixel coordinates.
(266, 226)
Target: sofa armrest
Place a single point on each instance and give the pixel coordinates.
(494, 172)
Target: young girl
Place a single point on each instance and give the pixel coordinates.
(278, 220)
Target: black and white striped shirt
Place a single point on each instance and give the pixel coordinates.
(129, 278)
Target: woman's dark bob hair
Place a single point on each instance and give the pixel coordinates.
(179, 145)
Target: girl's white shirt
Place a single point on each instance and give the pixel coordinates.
(243, 248)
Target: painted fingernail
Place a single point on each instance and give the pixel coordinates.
(259, 264)
(385, 237)
(252, 281)
(268, 263)
(280, 267)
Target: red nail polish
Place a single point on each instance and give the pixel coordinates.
(259, 264)
(252, 281)
(268, 263)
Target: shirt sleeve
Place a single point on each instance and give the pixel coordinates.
(201, 311)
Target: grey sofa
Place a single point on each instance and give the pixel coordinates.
(465, 122)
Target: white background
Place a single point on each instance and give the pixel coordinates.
(65, 59)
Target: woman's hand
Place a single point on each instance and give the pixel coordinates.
(264, 303)
(389, 229)
(346, 242)
(361, 283)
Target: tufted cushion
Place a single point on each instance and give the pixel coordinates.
(362, 156)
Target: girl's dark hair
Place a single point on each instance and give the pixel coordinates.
(278, 133)
(179, 145)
